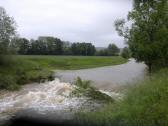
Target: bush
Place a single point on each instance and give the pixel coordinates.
(8, 82)
(6, 60)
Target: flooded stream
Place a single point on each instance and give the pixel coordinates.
(109, 77)
(51, 98)
(43, 98)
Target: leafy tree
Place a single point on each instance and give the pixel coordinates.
(24, 46)
(41, 46)
(67, 48)
(53, 46)
(74, 49)
(113, 50)
(7, 31)
(85, 49)
(148, 35)
(126, 53)
(33, 47)
(58, 46)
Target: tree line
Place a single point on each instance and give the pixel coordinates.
(51, 46)
(46, 45)
(41, 46)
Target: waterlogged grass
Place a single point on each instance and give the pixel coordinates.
(19, 70)
(145, 104)
(84, 88)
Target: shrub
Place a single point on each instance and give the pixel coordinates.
(8, 82)
(84, 88)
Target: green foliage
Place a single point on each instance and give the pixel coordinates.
(145, 104)
(113, 50)
(7, 31)
(126, 53)
(147, 37)
(51, 46)
(85, 49)
(21, 72)
(6, 60)
(84, 88)
(67, 48)
(22, 44)
(8, 82)
(43, 46)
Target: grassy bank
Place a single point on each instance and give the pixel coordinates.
(145, 104)
(26, 69)
(73, 62)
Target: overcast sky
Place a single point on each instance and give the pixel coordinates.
(69, 20)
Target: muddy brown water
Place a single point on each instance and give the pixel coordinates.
(109, 77)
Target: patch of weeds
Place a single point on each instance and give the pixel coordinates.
(84, 88)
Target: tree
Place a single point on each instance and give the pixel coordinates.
(67, 48)
(58, 46)
(24, 46)
(45, 46)
(113, 50)
(126, 53)
(148, 35)
(33, 50)
(85, 49)
(53, 46)
(7, 31)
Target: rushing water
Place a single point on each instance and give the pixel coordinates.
(49, 98)
(108, 77)
(45, 97)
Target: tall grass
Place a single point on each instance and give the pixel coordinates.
(17, 72)
(145, 104)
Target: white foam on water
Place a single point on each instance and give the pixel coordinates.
(52, 95)
(44, 97)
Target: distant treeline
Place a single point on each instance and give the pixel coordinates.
(54, 46)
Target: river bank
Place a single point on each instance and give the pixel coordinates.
(23, 69)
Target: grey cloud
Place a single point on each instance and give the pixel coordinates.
(73, 20)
